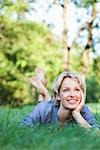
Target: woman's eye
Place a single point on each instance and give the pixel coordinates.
(77, 90)
(65, 90)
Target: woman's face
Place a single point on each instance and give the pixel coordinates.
(70, 93)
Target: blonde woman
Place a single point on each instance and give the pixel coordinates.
(66, 104)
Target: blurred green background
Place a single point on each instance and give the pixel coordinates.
(26, 45)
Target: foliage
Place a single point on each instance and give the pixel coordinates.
(85, 3)
(24, 46)
(11, 8)
(93, 82)
(93, 94)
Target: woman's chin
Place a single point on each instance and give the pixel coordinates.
(72, 106)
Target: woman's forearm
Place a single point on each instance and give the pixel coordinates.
(80, 120)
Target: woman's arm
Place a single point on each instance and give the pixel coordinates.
(78, 116)
(80, 120)
(32, 118)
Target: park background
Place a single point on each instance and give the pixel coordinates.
(55, 35)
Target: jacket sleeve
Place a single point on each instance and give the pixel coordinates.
(32, 118)
(89, 117)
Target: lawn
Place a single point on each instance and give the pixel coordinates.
(14, 137)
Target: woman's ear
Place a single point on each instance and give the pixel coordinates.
(58, 97)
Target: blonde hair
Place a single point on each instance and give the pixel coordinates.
(58, 82)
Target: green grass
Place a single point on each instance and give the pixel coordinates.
(95, 108)
(14, 137)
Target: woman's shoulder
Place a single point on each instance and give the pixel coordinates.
(45, 105)
(86, 112)
(85, 109)
(89, 116)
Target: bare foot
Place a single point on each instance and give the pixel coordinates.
(40, 82)
(37, 83)
(40, 76)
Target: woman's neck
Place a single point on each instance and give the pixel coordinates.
(64, 114)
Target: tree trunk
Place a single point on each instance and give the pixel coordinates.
(66, 50)
(86, 51)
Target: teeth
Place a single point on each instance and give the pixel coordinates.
(72, 101)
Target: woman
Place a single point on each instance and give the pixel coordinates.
(66, 105)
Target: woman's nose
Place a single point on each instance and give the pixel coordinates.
(72, 93)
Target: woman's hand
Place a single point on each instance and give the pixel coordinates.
(77, 115)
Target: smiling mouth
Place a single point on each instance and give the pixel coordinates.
(72, 101)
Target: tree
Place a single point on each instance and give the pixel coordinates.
(16, 9)
(88, 46)
(89, 28)
(66, 49)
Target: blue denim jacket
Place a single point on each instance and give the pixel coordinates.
(46, 113)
